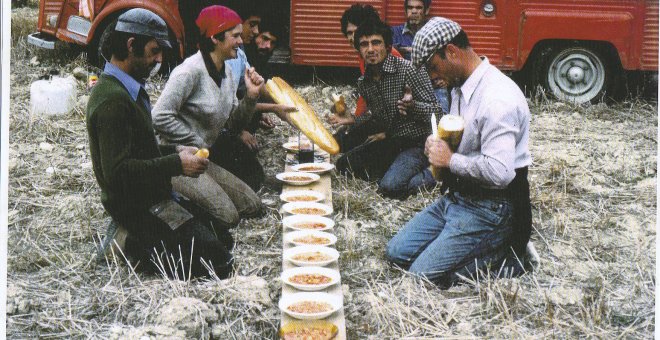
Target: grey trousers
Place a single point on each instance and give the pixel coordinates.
(221, 194)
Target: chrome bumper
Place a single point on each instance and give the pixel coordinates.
(41, 40)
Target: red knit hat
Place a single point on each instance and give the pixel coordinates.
(215, 19)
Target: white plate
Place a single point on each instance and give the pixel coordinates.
(334, 300)
(283, 177)
(292, 236)
(288, 255)
(291, 207)
(320, 167)
(287, 196)
(331, 273)
(293, 220)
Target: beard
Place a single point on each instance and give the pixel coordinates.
(415, 21)
(264, 52)
(146, 71)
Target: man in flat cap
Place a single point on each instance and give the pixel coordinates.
(486, 212)
(135, 173)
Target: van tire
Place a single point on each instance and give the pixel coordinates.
(577, 74)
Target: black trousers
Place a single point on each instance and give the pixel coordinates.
(180, 253)
(371, 160)
(233, 155)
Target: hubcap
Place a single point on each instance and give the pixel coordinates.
(576, 75)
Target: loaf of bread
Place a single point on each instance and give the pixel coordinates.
(305, 118)
(450, 130)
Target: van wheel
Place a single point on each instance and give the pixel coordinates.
(574, 74)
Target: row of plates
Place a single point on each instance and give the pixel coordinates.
(304, 227)
(310, 292)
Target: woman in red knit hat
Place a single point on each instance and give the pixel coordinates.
(198, 101)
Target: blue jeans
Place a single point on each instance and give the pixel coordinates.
(408, 173)
(456, 235)
(442, 96)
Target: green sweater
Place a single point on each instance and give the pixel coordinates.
(128, 163)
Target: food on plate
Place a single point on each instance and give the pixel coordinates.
(309, 225)
(310, 279)
(312, 256)
(296, 178)
(308, 211)
(309, 330)
(305, 118)
(312, 239)
(301, 198)
(311, 168)
(309, 307)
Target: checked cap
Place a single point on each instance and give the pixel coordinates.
(436, 34)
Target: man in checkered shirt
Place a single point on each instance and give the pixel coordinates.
(400, 101)
(482, 224)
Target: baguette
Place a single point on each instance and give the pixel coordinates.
(305, 118)
(450, 130)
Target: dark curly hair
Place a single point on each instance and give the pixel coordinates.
(357, 14)
(373, 27)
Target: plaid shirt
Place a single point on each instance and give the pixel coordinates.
(381, 97)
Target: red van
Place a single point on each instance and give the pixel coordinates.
(576, 49)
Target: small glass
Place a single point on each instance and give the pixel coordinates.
(305, 152)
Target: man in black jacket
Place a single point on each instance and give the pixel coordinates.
(134, 173)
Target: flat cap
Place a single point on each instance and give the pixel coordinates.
(144, 22)
(435, 34)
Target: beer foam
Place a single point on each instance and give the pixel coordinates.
(451, 123)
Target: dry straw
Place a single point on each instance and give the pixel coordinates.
(594, 201)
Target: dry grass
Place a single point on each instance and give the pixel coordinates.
(594, 200)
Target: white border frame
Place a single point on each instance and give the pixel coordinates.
(5, 30)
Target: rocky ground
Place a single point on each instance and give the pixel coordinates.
(593, 185)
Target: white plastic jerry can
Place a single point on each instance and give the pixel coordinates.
(53, 97)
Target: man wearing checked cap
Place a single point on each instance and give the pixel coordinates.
(483, 221)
